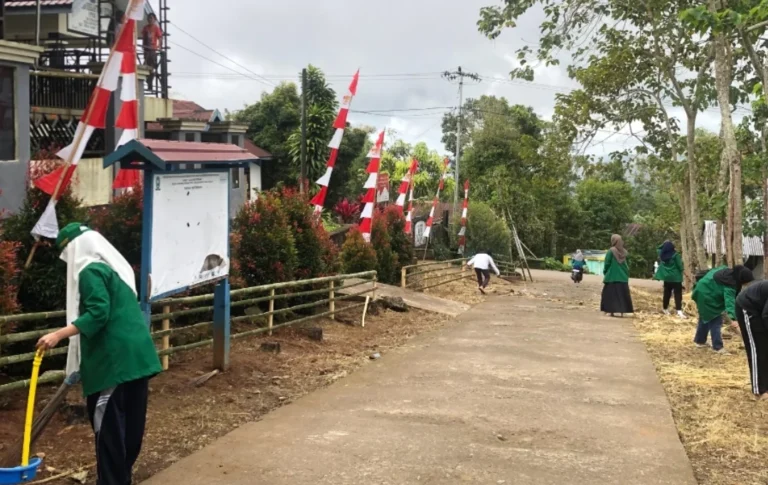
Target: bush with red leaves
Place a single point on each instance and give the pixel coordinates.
(317, 255)
(401, 242)
(9, 272)
(348, 212)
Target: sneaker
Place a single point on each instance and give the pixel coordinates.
(701, 346)
(722, 351)
(681, 315)
(666, 312)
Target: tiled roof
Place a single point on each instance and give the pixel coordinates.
(255, 150)
(189, 110)
(33, 3)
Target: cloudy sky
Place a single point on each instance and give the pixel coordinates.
(400, 46)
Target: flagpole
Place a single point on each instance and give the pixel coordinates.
(79, 133)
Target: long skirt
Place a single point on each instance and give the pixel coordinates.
(616, 298)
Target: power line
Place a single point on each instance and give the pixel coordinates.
(220, 54)
(216, 62)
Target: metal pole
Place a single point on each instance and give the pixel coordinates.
(37, 25)
(458, 143)
(303, 175)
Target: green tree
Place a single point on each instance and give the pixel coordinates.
(607, 209)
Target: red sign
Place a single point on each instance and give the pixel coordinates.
(382, 188)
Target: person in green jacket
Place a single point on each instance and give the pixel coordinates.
(109, 345)
(715, 294)
(670, 271)
(616, 297)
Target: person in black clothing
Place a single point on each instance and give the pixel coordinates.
(752, 314)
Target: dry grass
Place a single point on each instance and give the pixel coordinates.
(724, 430)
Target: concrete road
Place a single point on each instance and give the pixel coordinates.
(516, 391)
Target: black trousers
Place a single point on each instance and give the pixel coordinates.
(677, 288)
(755, 335)
(118, 416)
(483, 277)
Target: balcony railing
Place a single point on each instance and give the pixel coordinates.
(60, 89)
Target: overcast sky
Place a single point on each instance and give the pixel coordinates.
(400, 46)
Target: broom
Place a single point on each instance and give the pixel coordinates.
(12, 457)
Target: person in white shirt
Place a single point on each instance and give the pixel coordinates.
(482, 262)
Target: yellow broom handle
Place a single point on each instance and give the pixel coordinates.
(31, 407)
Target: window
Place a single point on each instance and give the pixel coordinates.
(235, 178)
(7, 115)
(189, 137)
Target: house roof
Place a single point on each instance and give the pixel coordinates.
(189, 110)
(261, 153)
(164, 154)
(33, 3)
(751, 245)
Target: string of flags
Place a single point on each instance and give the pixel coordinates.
(440, 187)
(339, 124)
(121, 63)
(370, 196)
(463, 230)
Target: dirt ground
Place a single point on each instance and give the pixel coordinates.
(183, 418)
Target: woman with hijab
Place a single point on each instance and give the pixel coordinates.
(670, 271)
(616, 297)
(578, 264)
(715, 294)
(109, 345)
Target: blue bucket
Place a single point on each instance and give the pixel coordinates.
(20, 474)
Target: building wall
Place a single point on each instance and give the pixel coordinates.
(13, 173)
(254, 182)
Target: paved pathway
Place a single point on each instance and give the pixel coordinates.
(516, 391)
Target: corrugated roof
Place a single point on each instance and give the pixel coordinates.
(185, 151)
(256, 150)
(189, 110)
(33, 3)
(751, 245)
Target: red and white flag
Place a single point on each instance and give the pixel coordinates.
(463, 230)
(440, 187)
(121, 62)
(370, 195)
(341, 122)
(404, 185)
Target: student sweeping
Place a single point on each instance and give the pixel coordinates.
(482, 262)
(752, 314)
(670, 271)
(715, 294)
(110, 345)
(616, 297)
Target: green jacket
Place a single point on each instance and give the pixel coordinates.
(115, 345)
(613, 272)
(713, 299)
(671, 271)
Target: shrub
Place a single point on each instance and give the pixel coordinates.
(356, 254)
(386, 259)
(400, 241)
(485, 231)
(9, 272)
(555, 265)
(315, 257)
(42, 286)
(121, 224)
(348, 212)
(262, 245)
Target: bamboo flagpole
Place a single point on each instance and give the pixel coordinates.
(93, 117)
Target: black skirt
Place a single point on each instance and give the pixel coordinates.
(616, 298)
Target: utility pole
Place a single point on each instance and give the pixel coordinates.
(452, 76)
(37, 23)
(303, 174)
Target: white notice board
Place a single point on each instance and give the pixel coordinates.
(190, 230)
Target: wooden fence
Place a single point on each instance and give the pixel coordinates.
(441, 272)
(172, 308)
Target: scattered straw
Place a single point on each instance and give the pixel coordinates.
(724, 430)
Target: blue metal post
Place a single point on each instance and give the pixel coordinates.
(221, 314)
(146, 248)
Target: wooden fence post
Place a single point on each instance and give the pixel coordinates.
(271, 319)
(403, 277)
(332, 302)
(166, 338)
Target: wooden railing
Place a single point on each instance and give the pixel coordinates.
(331, 287)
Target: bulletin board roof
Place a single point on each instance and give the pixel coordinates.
(164, 154)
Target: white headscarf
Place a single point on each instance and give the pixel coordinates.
(89, 247)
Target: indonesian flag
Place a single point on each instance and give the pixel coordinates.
(370, 185)
(404, 185)
(120, 63)
(339, 124)
(440, 187)
(463, 230)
